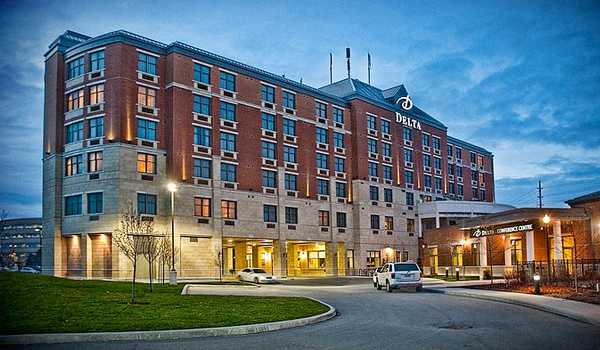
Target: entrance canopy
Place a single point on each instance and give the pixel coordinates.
(521, 219)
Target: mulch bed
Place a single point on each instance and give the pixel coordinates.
(586, 295)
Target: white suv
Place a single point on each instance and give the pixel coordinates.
(399, 275)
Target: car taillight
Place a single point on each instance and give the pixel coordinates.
(393, 275)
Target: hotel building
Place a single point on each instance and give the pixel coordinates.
(271, 173)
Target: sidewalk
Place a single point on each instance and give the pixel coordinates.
(437, 283)
(584, 312)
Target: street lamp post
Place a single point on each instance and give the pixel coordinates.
(172, 187)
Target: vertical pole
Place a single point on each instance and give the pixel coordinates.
(330, 68)
(540, 192)
(369, 68)
(173, 272)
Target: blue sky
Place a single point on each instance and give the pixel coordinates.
(521, 79)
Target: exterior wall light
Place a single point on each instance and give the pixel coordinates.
(546, 219)
(536, 282)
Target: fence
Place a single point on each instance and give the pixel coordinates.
(556, 271)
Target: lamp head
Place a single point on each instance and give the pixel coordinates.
(546, 219)
(172, 187)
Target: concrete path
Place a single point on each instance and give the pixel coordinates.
(576, 310)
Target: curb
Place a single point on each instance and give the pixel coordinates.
(508, 300)
(56, 338)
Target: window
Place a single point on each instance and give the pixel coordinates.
(291, 182)
(96, 94)
(338, 140)
(146, 163)
(374, 193)
(323, 218)
(268, 121)
(450, 150)
(201, 73)
(451, 188)
(229, 209)
(410, 198)
(427, 180)
(450, 169)
(227, 81)
(75, 68)
(228, 172)
(73, 205)
(289, 127)
(74, 165)
(340, 219)
(473, 157)
(474, 193)
(227, 111)
(94, 161)
(267, 93)
(458, 153)
(74, 132)
(385, 126)
(289, 154)
(322, 161)
(269, 213)
(407, 134)
(321, 135)
(228, 142)
(375, 222)
(373, 169)
(438, 183)
(96, 127)
(269, 178)
(436, 143)
(97, 61)
(388, 223)
(289, 100)
(372, 145)
(373, 258)
(387, 172)
(408, 177)
(75, 100)
(147, 63)
(146, 129)
(340, 189)
(323, 187)
(94, 203)
(459, 190)
(474, 175)
(291, 215)
(201, 105)
(202, 207)
(202, 136)
(320, 110)
(338, 115)
(408, 155)
(425, 139)
(427, 160)
(146, 96)
(267, 149)
(410, 225)
(459, 171)
(437, 163)
(340, 164)
(388, 195)
(146, 204)
(202, 168)
(482, 195)
(386, 149)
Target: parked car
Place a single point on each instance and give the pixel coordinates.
(255, 275)
(28, 269)
(375, 272)
(399, 275)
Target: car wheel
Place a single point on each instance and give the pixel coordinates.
(378, 285)
(388, 288)
(419, 288)
(375, 284)
(256, 280)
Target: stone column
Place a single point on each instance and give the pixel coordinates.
(530, 245)
(557, 233)
(341, 258)
(437, 220)
(279, 257)
(331, 268)
(85, 244)
(483, 261)
(507, 255)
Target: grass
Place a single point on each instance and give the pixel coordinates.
(451, 278)
(42, 304)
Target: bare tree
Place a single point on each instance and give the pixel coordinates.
(152, 251)
(127, 238)
(165, 257)
(218, 260)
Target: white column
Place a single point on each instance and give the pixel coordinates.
(419, 223)
(437, 220)
(482, 256)
(557, 240)
(529, 242)
(506, 246)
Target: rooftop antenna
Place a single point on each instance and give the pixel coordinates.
(300, 80)
(540, 188)
(348, 60)
(330, 68)
(369, 67)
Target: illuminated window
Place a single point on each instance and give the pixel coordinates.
(74, 165)
(323, 218)
(75, 100)
(146, 163)
(388, 223)
(229, 209)
(202, 207)
(96, 94)
(146, 96)
(94, 161)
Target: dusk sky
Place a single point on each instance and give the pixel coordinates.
(521, 79)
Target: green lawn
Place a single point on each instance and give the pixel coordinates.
(42, 304)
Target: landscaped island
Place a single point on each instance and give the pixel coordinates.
(43, 304)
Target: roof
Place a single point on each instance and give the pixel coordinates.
(524, 214)
(594, 196)
(470, 146)
(21, 221)
(351, 88)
